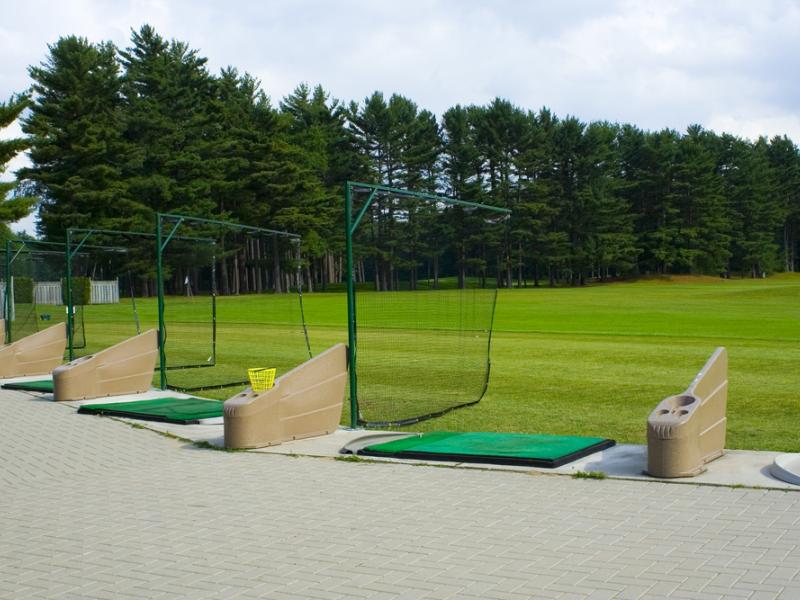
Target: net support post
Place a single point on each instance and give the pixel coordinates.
(7, 292)
(162, 356)
(70, 317)
(351, 307)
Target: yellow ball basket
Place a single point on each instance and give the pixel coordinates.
(261, 379)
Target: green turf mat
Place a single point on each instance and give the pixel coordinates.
(43, 386)
(169, 410)
(503, 448)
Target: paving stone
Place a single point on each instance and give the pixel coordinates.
(92, 508)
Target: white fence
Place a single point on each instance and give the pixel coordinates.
(105, 292)
(49, 292)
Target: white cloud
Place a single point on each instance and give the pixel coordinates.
(754, 126)
(652, 63)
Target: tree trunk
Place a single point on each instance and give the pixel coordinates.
(276, 265)
(226, 283)
(237, 287)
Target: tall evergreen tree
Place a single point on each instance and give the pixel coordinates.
(461, 159)
(317, 126)
(167, 99)
(78, 152)
(646, 179)
(534, 213)
(703, 238)
(611, 239)
(784, 158)
(753, 206)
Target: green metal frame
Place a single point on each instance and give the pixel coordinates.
(10, 256)
(351, 225)
(72, 252)
(6, 294)
(161, 245)
(87, 233)
(64, 250)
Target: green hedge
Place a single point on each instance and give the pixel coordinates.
(23, 290)
(81, 291)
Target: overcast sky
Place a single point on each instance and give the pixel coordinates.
(729, 65)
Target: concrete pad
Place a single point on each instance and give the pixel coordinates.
(209, 431)
(325, 445)
(747, 468)
(628, 461)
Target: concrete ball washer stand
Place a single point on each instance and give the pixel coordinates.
(687, 431)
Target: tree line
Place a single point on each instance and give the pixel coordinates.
(117, 135)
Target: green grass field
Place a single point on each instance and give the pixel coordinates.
(590, 361)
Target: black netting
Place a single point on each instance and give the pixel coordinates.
(232, 301)
(33, 275)
(425, 278)
(112, 288)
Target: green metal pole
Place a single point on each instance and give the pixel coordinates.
(214, 310)
(7, 307)
(351, 307)
(162, 355)
(70, 318)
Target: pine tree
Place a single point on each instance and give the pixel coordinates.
(752, 204)
(77, 149)
(461, 159)
(18, 206)
(317, 126)
(646, 172)
(232, 128)
(784, 158)
(610, 229)
(499, 133)
(703, 238)
(533, 215)
(167, 100)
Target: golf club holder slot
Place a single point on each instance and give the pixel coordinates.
(125, 368)
(687, 431)
(35, 354)
(305, 402)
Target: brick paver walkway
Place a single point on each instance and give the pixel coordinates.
(92, 508)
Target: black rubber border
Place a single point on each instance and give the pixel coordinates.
(87, 409)
(545, 463)
(20, 387)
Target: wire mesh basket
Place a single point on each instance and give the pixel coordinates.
(261, 379)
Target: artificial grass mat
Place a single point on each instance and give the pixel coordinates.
(44, 386)
(168, 410)
(535, 450)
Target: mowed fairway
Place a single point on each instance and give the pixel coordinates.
(591, 361)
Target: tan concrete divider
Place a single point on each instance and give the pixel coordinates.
(687, 431)
(125, 368)
(305, 402)
(35, 354)
(2, 331)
